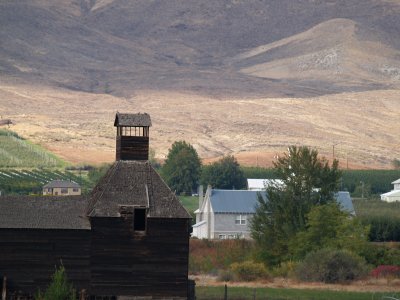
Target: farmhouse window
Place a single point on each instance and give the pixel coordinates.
(64, 191)
(75, 190)
(139, 219)
(240, 220)
(222, 236)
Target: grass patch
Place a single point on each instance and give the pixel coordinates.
(190, 203)
(376, 207)
(244, 293)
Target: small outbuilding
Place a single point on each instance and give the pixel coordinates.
(393, 195)
(262, 184)
(62, 188)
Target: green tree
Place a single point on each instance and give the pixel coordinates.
(307, 181)
(59, 288)
(396, 164)
(329, 227)
(224, 174)
(182, 168)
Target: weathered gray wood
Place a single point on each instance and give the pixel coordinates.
(132, 148)
(154, 264)
(28, 257)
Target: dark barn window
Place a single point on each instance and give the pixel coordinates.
(139, 219)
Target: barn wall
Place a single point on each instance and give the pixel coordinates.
(28, 257)
(154, 264)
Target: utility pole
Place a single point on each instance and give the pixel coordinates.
(333, 151)
(362, 190)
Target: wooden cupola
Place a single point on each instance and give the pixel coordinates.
(132, 136)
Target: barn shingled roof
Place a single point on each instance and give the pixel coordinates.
(45, 212)
(138, 120)
(134, 183)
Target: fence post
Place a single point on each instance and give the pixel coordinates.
(4, 293)
(82, 295)
(226, 293)
(254, 294)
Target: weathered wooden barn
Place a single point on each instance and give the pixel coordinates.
(129, 237)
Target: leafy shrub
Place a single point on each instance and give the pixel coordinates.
(286, 269)
(382, 254)
(331, 266)
(59, 288)
(208, 256)
(386, 271)
(249, 271)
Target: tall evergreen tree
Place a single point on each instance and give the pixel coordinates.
(307, 180)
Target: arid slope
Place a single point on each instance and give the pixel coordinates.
(118, 47)
(79, 126)
(230, 76)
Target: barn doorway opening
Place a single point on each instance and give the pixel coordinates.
(139, 219)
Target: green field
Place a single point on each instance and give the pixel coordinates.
(376, 207)
(17, 152)
(190, 203)
(244, 293)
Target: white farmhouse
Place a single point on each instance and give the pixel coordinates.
(226, 214)
(394, 195)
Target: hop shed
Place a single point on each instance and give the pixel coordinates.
(129, 237)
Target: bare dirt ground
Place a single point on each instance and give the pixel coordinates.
(368, 285)
(78, 126)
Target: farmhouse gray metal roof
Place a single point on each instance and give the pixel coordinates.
(234, 201)
(244, 201)
(134, 183)
(44, 212)
(344, 200)
(61, 184)
(138, 120)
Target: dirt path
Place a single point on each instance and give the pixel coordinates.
(368, 285)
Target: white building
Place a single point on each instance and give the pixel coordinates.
(394, 195)
(262, 184)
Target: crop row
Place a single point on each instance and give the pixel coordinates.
(31, 181)
(18, 152)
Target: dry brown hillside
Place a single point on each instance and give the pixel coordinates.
(79, 126)
(230, 76)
